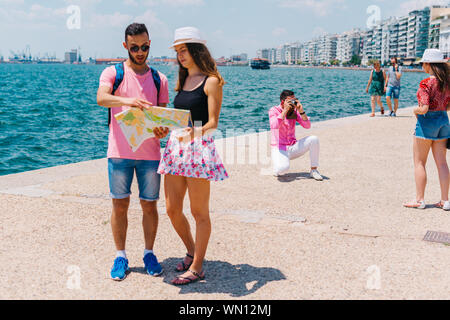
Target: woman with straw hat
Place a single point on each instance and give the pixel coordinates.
(191, 161)
(433, 128)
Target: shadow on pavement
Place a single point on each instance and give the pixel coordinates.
(297, 176)
(222, 277)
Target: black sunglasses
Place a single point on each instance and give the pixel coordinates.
(144, 48)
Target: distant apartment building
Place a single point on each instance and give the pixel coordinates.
(71, 56)
(272, 55)
(326, 48)
(313, 51)
(348, 44)
(402, 47)
(304, 53)
(262, 54)
(434, 33)
(294, 52)
(330, 46)
(444, 39)
(283, 54)
(418, 30)
(438, 33)
(392, 38)
(368, 43)
(279, 54)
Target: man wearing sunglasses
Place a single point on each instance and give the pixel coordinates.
(137, 89)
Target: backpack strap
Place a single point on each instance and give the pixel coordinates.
(157, 81)
(120, 73)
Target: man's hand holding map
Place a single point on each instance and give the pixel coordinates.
(138, 125)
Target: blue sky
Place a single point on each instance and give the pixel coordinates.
(231, 27)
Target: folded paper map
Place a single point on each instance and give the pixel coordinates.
(138, 125)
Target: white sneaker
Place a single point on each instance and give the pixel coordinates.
(316, 175)
(445, 206)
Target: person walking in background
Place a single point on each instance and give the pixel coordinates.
(285, 146)
(190, 160)
(132, 85)
(392, 86)
(375, 87)
(433, 128)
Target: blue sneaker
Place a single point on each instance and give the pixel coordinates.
(120, 269)
(152, 265)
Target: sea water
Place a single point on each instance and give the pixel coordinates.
(49, 115)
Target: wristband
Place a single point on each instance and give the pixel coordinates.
(302, 113)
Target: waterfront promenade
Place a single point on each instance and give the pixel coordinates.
(347, 237)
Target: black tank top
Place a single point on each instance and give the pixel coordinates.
(196, 101)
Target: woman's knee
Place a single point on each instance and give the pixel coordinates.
(174, 212)
(201, 216)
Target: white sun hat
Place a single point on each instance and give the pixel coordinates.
(433, 56)
(187, 35)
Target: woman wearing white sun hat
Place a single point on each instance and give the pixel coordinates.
(433, 128)
(191, 161)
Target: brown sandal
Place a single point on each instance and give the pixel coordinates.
(183, 266)
(182, 281)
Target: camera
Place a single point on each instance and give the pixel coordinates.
(293, 103)
(291, 114)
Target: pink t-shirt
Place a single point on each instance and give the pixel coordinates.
(283, 131)
(133, 86)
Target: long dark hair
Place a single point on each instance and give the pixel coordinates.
(442, 73)
(203, 59)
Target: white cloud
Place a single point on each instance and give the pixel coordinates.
(319, 31)
(155, 26)
(113, 20)
(35, 15)
(83, 3)
(12, 2)
(278, 31)
(174, 3)
(319, 7)
(133, 3)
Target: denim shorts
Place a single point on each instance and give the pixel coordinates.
(121, 173)
(393, 91)
(433, 125)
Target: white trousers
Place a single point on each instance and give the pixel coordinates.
(281, 159)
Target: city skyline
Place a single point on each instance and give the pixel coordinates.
(404, 37)
(240, 26)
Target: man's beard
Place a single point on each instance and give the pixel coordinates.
(134, 60)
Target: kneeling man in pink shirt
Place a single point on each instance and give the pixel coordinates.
(285, 146)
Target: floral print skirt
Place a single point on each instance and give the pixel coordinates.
(197, 159)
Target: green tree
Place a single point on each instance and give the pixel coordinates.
(355, 60)
(335, 62)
